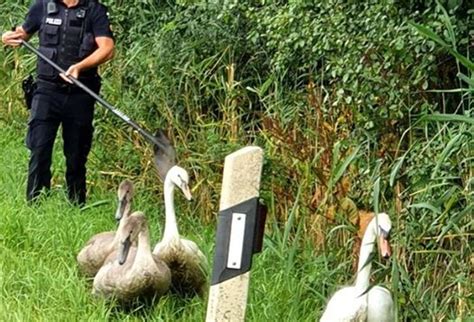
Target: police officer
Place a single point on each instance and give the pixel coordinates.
(76, 35)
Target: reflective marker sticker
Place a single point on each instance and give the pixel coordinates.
(236, 243)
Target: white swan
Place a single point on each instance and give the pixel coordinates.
(187, 263)
(93, 254)
(128, 275)
(360, 302)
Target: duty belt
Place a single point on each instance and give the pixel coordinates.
(62, 87)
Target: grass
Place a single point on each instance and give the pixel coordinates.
(39, 277)
(291, 279)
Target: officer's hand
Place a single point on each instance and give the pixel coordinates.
(12, 38)
(73, 71)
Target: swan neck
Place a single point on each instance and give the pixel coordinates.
(125, 215)
(143, 247)
(364, 267)
(121, 224)
(171, 227)
(143, 256)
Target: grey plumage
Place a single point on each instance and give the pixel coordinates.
(165, 156)
(92, 256)
(140, 275)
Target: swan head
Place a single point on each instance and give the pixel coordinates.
(136, 223)
(180, 178)
(124, 195)
(384, 226)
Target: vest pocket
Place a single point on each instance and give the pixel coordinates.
(45, 69)
(50, 35)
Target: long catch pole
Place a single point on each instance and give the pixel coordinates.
(239, 235)
(99, 99)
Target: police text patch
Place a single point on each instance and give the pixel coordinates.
(54, 21)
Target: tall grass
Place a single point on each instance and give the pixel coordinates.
(39, 276)
(321, 167)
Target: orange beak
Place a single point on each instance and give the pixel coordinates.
(385, 250)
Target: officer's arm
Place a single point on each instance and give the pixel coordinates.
(14, 38)
(104, 52)
(30, 26)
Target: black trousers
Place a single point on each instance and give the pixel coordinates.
(73, 109)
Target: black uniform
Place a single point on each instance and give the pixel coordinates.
(66, 35)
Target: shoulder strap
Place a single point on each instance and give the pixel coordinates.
(45, 11)
(45, 7)
(89, 5)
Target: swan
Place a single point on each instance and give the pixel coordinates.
(93, 254)
(130, 275)
(187, 263)
(360, 302)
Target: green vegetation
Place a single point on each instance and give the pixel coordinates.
(358, 105)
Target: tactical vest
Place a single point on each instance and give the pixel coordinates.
(65, 37)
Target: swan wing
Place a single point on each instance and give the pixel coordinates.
(112, 280)
(380, 305)
(198, 266)
(130, 280)
(164, 155)
(344, 306)
(187, 264)
(194, 251)
(91, 257)
(100, 238)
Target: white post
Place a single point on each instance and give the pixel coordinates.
(239, 234)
